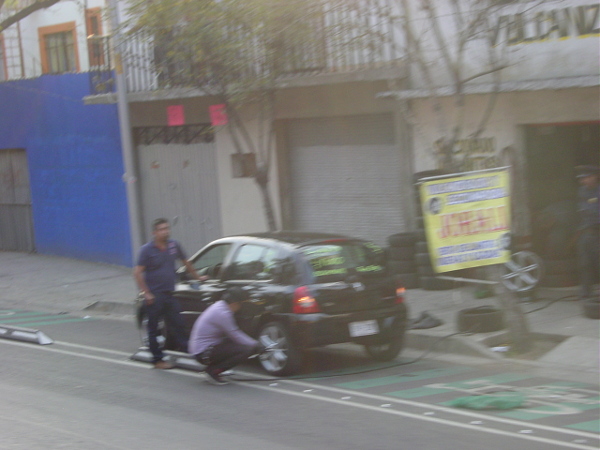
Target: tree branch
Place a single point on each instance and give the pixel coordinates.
(41, 4)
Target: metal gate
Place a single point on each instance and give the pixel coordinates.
(178, 181)
(345, 176)
(16, 222)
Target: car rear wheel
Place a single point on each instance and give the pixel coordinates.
(386, 351)
(282, 358)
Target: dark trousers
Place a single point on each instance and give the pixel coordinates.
(588, 253)
(225, 355)
(166, 307)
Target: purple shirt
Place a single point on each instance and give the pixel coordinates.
(215, 325)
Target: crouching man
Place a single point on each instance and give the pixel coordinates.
(216, 340)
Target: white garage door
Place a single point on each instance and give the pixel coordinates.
(345, 176)
(178, 181)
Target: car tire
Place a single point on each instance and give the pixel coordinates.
(426, 271)
(482, 319)
(591, 308)
(401, 266)
(423, 259)
(421, 247)
(402, 239)
(388, 350)
(401, 254)
(285, 359)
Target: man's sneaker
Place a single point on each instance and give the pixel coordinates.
(227, 373)
(164, 365)
(215, 378)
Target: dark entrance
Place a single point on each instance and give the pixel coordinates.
(16, 223)
(553, 152)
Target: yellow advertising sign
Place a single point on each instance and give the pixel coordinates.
(467, 219)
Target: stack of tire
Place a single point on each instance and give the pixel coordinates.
(425, 272)
(401, 258)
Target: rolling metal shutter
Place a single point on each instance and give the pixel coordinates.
(345, 176)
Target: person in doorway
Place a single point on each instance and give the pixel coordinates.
(588, 249)
(216, 340)
(155, 275)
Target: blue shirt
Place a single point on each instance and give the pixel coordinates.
(159, 272)
(215, 325)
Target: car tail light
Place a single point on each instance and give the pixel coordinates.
(400, 291)
(304, 303)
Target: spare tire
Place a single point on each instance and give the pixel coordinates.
(402, 239)
(482, 319)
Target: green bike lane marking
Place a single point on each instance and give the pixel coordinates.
(24, 316)
(458, 386)
(560, 398)
(592, 425)
(54, 322)
(413, 376)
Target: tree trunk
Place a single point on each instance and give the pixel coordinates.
(514, 317)
(262, 179)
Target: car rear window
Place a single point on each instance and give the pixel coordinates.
(335, 261)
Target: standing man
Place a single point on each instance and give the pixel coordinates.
(217, 342)
(155, 275)
(588, 251)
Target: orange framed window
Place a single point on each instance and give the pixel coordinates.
(3, 68)
(93, 27)
(58, 48)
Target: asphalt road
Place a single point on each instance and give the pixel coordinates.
(84, 392)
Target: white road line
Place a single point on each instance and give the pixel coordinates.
(442, 408)
(359, 405)
(430, 418)
(95, 349)
(81, 355)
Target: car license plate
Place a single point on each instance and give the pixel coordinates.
(364, 328)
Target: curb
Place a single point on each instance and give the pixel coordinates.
(453, 344)
(111, 307)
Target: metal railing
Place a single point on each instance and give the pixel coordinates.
(372, 43)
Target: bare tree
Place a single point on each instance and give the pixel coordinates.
(238, 52)
(450, 45)
(15, 11)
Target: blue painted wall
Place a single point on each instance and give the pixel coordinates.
(75, 165)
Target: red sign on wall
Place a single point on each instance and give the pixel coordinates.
(175, 115)
(218, 115)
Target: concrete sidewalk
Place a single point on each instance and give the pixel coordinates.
(565, 339)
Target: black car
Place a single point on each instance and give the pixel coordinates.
(307, 290)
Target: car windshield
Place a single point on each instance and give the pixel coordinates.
(336, 260)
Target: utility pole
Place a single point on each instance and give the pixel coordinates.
(129, 177)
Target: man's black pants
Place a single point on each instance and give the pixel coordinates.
(167, 307)
(224, 356)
